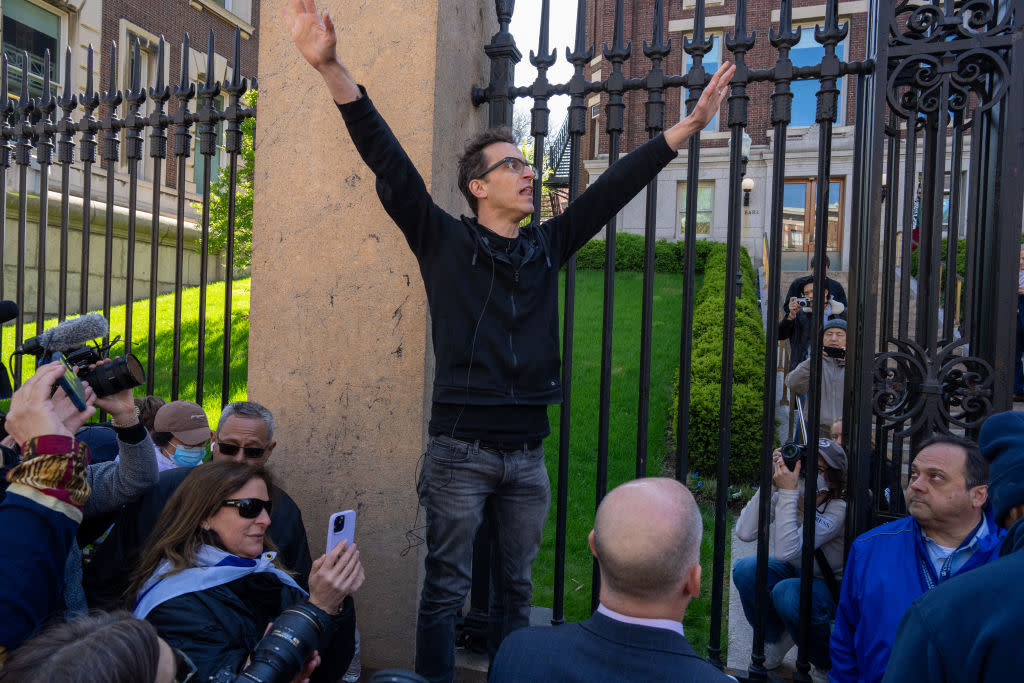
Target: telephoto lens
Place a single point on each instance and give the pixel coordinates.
(284, 650)
(121, 373)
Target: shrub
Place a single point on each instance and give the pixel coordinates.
(629, 254)
(961, 258)
(706, 372)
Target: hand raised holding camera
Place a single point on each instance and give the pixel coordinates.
(33, 413)
(120, 405)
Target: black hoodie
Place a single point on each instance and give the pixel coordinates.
(494, 312)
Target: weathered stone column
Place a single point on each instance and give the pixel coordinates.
(339, 333)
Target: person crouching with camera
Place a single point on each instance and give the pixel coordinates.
(210, 583)
(782, 622)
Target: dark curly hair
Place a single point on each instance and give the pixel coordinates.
(471, 163)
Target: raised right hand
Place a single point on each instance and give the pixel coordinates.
(312, 32)
(34, 414)
(793, 307)
(335, 576)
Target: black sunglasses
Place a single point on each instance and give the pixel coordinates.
(250, 508)
(515, 164)
(231, 449)
(184, 669)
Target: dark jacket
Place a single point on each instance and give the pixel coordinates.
(798, 331)
(796, 288)
(494, 314)
(599, 649)
(882, 578)
(107, 576)
(218, 627)
(969, 628)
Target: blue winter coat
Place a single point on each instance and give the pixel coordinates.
(967, 629)
(882, 578)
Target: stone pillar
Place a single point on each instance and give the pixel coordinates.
(339, 332)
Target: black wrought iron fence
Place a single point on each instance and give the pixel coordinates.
(941, 67)
(74, 126)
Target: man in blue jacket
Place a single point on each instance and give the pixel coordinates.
(947, 533)
(492, 289)
(968, 629)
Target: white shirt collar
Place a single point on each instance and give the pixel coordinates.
(667, 624)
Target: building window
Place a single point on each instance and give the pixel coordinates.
(705, 198)
(30, 27)
(218, 103)
(710, 62)
(595, 128)
(147, 80)
(798, 223)
(805, 93)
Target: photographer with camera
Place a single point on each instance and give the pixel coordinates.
(833, 373)
(210, 582)
(783, 611)
(797, 325)
(43, 504)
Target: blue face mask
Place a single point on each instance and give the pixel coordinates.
(186, 456)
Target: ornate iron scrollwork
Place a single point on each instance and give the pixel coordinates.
(931, 393)
(944, 57)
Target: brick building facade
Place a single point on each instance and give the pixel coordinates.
(720, 17)
(35, 26)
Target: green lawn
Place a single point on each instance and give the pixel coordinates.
(623, 428)
(189, 342)
(585, 398)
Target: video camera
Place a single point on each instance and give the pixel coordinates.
(69, 341)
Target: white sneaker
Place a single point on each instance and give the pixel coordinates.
(819, 675)
(776, 651)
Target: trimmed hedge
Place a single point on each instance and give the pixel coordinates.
(629, 254)
(961, 259)
(706, 372)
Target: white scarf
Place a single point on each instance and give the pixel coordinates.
(215, 567)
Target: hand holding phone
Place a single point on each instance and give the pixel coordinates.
(342, 525)
(69, 382)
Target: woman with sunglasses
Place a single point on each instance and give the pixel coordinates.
(210, 583)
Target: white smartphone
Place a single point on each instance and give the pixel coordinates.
(342, 526)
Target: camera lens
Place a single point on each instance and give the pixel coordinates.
(283, 651)
(119, 374)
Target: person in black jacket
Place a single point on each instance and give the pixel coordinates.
(835, 290)
(245, 433)
(491, 286)
(208, 579)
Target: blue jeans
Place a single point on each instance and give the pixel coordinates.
(783, 608)
(457, 481)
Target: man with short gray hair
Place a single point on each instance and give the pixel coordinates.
(646, 539)
(244, 433)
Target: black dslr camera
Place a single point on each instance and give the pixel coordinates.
(792, 453)
(121, 373)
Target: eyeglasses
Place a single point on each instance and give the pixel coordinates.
(184, 669)
(515, 164)
(250, 508)
(231, 450)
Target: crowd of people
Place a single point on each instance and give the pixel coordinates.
(154, 548)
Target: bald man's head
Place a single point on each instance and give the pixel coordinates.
(646, 537)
